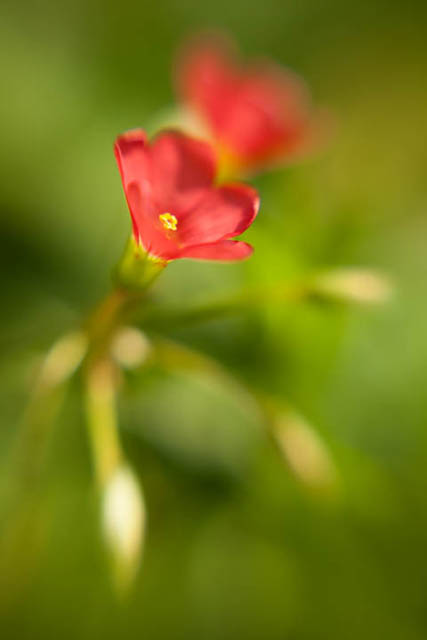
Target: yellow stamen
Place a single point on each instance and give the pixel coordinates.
(168, 221)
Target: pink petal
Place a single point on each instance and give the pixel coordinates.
(224, 251)
(182, 168)
(223, 213)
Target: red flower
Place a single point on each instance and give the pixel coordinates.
(257, 114)
(176, 211)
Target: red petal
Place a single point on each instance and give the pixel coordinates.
(205, 76)
(224, 251)
(182, 168)
(259, 113)
(223, 213)
(268, 113)
(132, 153)
(175, 176)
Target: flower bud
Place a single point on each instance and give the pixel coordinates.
(354, 285)
(63, 359)
(130, 348)
(123, 519)
(304, 450)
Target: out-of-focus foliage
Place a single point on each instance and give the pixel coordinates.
(237, 546)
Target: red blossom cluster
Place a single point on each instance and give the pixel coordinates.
(256, 115)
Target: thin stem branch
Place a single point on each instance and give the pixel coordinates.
(253, 298)
(298, 443)
(60, 363)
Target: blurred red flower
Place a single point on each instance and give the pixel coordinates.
(176, 211)
(257, 114)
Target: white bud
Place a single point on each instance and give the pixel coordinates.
(130, 348)
(305, 452)
(355, 285)
(124, 517)
(63, 359)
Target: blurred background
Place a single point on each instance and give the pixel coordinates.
(238, 545)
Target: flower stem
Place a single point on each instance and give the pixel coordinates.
(102, 419)
(22, 508)
(57, 368)
(254, 298)
(298, 443)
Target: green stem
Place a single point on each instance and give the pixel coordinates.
(21, 505)
(298, 443)
(57, 368)
(173, 356)
(245, 300)
(102, 419)
(135, 272)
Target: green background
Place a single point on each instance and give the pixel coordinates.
(237, 547)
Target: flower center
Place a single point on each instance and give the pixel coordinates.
(168, 221)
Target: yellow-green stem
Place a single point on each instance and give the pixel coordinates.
(58, 366)
(102, 419)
